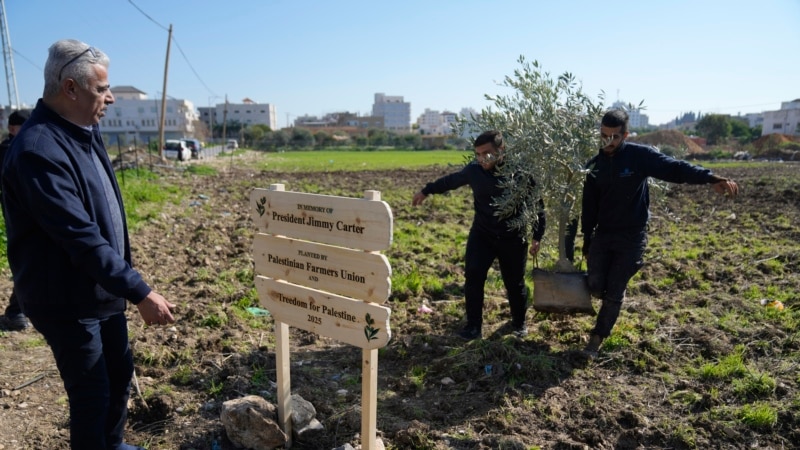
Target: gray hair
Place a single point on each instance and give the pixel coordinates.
(70, 58)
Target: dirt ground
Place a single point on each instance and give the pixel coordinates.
(506, 392)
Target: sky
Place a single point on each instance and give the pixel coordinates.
(313, 57)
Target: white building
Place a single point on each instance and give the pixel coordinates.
(754, 119)
(470, 131)
(430, 123)
(636, 119)
(135, 118)
(396, 113)
(783, 121)
(434, 123)
(246, 113)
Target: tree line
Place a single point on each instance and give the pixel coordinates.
(718, 128)
(261, 137)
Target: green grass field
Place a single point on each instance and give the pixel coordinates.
(332, 160)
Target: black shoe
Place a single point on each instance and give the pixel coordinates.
(17, 322)
(469, 333)
(592, 348)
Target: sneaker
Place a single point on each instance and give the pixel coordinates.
(125, 446)
(520, 332)
(469, 333)
(592, 348)
(17, 322)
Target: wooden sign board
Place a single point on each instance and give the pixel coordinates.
(343, 271)
(344, 221)
(352, 321)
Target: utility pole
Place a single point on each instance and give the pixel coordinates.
(164, 99)
(8, 58)
(225, 123)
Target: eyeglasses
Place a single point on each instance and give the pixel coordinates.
(90, 50)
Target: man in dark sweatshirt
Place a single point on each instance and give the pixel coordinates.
(616, 209)
(68, 245)
(490, 236)
(15, 318)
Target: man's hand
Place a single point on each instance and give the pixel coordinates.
(419, 197)
(156, 310)
(585, 248)
(728, 188)
(535, 246)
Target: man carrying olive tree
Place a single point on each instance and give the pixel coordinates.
(615, 212)
(490, 237)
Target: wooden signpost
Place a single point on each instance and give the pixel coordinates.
(318, 269)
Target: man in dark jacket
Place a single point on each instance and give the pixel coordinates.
(490, 236)
(68, 245)
(15, 318)
(616, 209)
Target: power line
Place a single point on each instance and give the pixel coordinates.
(27, 59)
(145, 14)
(185, 58)
(190, 65)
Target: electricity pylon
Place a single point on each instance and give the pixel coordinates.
(8, 58)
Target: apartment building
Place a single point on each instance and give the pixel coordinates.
(395, 111)
(133, 117)
(636, 118)
(783, 121)
(339, 119)
(247, 113)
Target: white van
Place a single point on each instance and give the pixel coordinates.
(176, 149)
(232, 144)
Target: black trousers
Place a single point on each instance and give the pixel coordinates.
(13, 308)
(95, 361)
(512, 255)
(614, 258)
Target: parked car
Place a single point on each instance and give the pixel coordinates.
(233, 144)
(195, 146)
(176, 149)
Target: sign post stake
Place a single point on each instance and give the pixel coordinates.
(283, 378)
(283, 373)
(319, 268)
(369, 398)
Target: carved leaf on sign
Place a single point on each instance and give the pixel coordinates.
(260, 206)
(370, 332)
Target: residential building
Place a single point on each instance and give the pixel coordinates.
(431, 123)
(246, 113)
(470, 131)
(396, 113)
(434, 123)
(133, 117)
(754, 119)
(339, 119)
(783, 121)
(348, 119)
(636, 119)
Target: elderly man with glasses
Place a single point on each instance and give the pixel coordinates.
(490, 237)
(68, 244)
(615, 212)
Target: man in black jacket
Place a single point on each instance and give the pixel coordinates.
(490, 236)
(68, 245)
(15, 318)
(616, 209)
